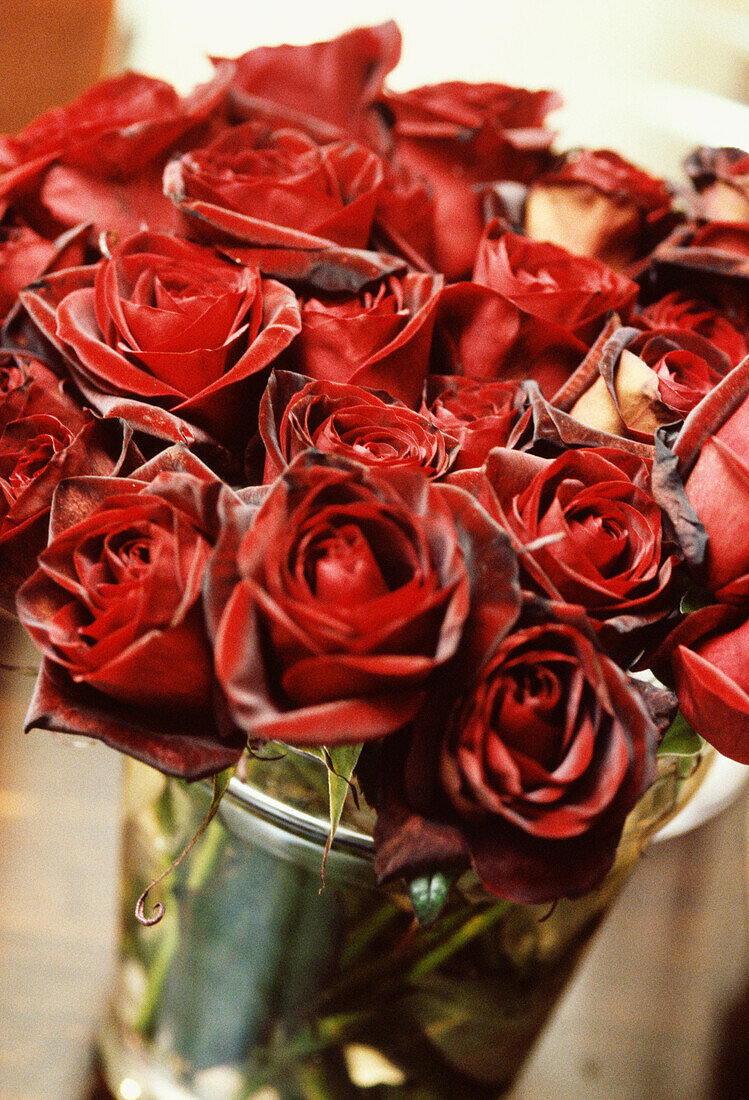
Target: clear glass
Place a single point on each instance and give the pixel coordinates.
(261, 984)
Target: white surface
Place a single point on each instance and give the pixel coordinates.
(721, 786)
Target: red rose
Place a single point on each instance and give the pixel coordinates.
(274, 83)
(573, 292)
(677, 310)
(484, 336)
(598, 533)
(100, 158)
(380, 339)
(167, 335)
(23, 256)
(637, 381)
(597, 204)
(37, 451)
(297, 210)
(713, 453)
(710, 264)
(115, 608)
(335, 606)
(458, 136)
(297, 414)
(480, 415)
(707, 654)
(285, 178)
(534, 775)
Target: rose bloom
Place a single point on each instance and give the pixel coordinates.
(538, 766)
(480, 415)
(297, 414)
(380, 339)
(114, 606)
(99, 159)
(273, 82)
(712, 449)
(550, 283)
(596, 537)
(721, 177)
(335, 606)
(458, 136)
(23, 256)
(595, 203)
(640, 381)
(167, 335)
(285, 178)
(677, 310)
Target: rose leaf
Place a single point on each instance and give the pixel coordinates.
(680, 739)
(428, 896)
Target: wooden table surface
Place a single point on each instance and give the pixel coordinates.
(643, 1021)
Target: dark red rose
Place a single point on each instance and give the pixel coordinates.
(23, 256)
(337, 604)
(285, 178)
(713, 453)
(380, 339)
(638, 381)
(573, 292)
(721, 177)
(276, 199)
(596, 537)
(405, 217)
(595, 203)
(484, 336)
(677, 310)
(37, 451)
(115, 608)
(480, 415)
(297, 414)
(168, 335)
(707, 655)
(458, 136)
(99, 159)
(335, 81)
(538, 766)
(710, 264)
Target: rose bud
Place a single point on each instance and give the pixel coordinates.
(639, 381)
(480, 415)
(115, 608)
(380, 339)
(168, 336)
(573, 292)
(297, 414)
(458, 136)
(594, 537)
(335, 606)
(721, 177)
(707, 654)
(100, 158)
(539, 764)
(595, 203)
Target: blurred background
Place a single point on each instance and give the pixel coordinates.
(659, 1011)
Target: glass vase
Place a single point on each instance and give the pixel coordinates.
(264, 981)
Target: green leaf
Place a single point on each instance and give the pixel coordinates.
(694, 599)
(428, 896)
(680, 739)
(340, 762)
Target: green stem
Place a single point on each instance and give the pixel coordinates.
(366, 932)
(474, 926)
(158, 971)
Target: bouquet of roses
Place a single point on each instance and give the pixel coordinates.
(365, 423)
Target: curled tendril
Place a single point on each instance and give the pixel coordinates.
(220, 783)
(550, 911)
